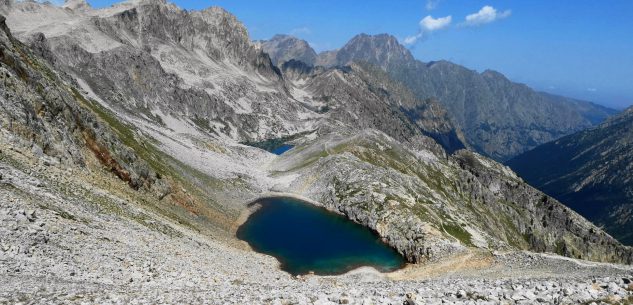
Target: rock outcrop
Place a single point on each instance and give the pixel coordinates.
(430, 208)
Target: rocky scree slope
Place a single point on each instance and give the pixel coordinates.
(499, 118)
(590, 171)
(64, 127)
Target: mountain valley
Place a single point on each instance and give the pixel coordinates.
(590, 171)
(124, 174)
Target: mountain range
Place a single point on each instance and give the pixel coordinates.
(129, 157)
(499, 118)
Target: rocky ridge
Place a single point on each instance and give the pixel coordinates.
(362, 97)
(200, 70)
(429, 208)
(499, 118)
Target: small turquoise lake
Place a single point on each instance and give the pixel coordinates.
(276, 146)
(305, 238)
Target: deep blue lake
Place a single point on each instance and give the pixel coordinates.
(304, 238)
(281, 149)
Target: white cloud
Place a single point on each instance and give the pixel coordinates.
(486, 14)
(428, 24)
(432, 4)
(409, 40)
(592, 89)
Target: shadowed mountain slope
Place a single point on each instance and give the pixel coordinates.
(590, 171)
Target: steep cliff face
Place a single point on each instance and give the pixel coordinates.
(499, 118)
(590, 171)
(157, 62)
(213, 31)
(43, 113)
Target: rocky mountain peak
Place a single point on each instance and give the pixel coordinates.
(220, 13)
(282, 37)
(499, 117)
(76, 5)
(214, 32)
(283, 48)
(378, 39)
(382, 50)
(140, 2)
(493, 74)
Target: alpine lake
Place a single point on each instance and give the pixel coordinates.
(306, 239)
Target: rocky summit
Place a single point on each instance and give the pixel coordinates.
(125, 174)
(283, 48)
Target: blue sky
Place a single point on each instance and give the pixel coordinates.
(580, 48)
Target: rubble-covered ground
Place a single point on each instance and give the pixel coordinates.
(65, 241)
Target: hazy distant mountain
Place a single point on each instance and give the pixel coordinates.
(381, 50)
(499, 118)
(283, 48)
(590, 171)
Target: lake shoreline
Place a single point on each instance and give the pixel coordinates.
(252, 206)
(307, 238)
